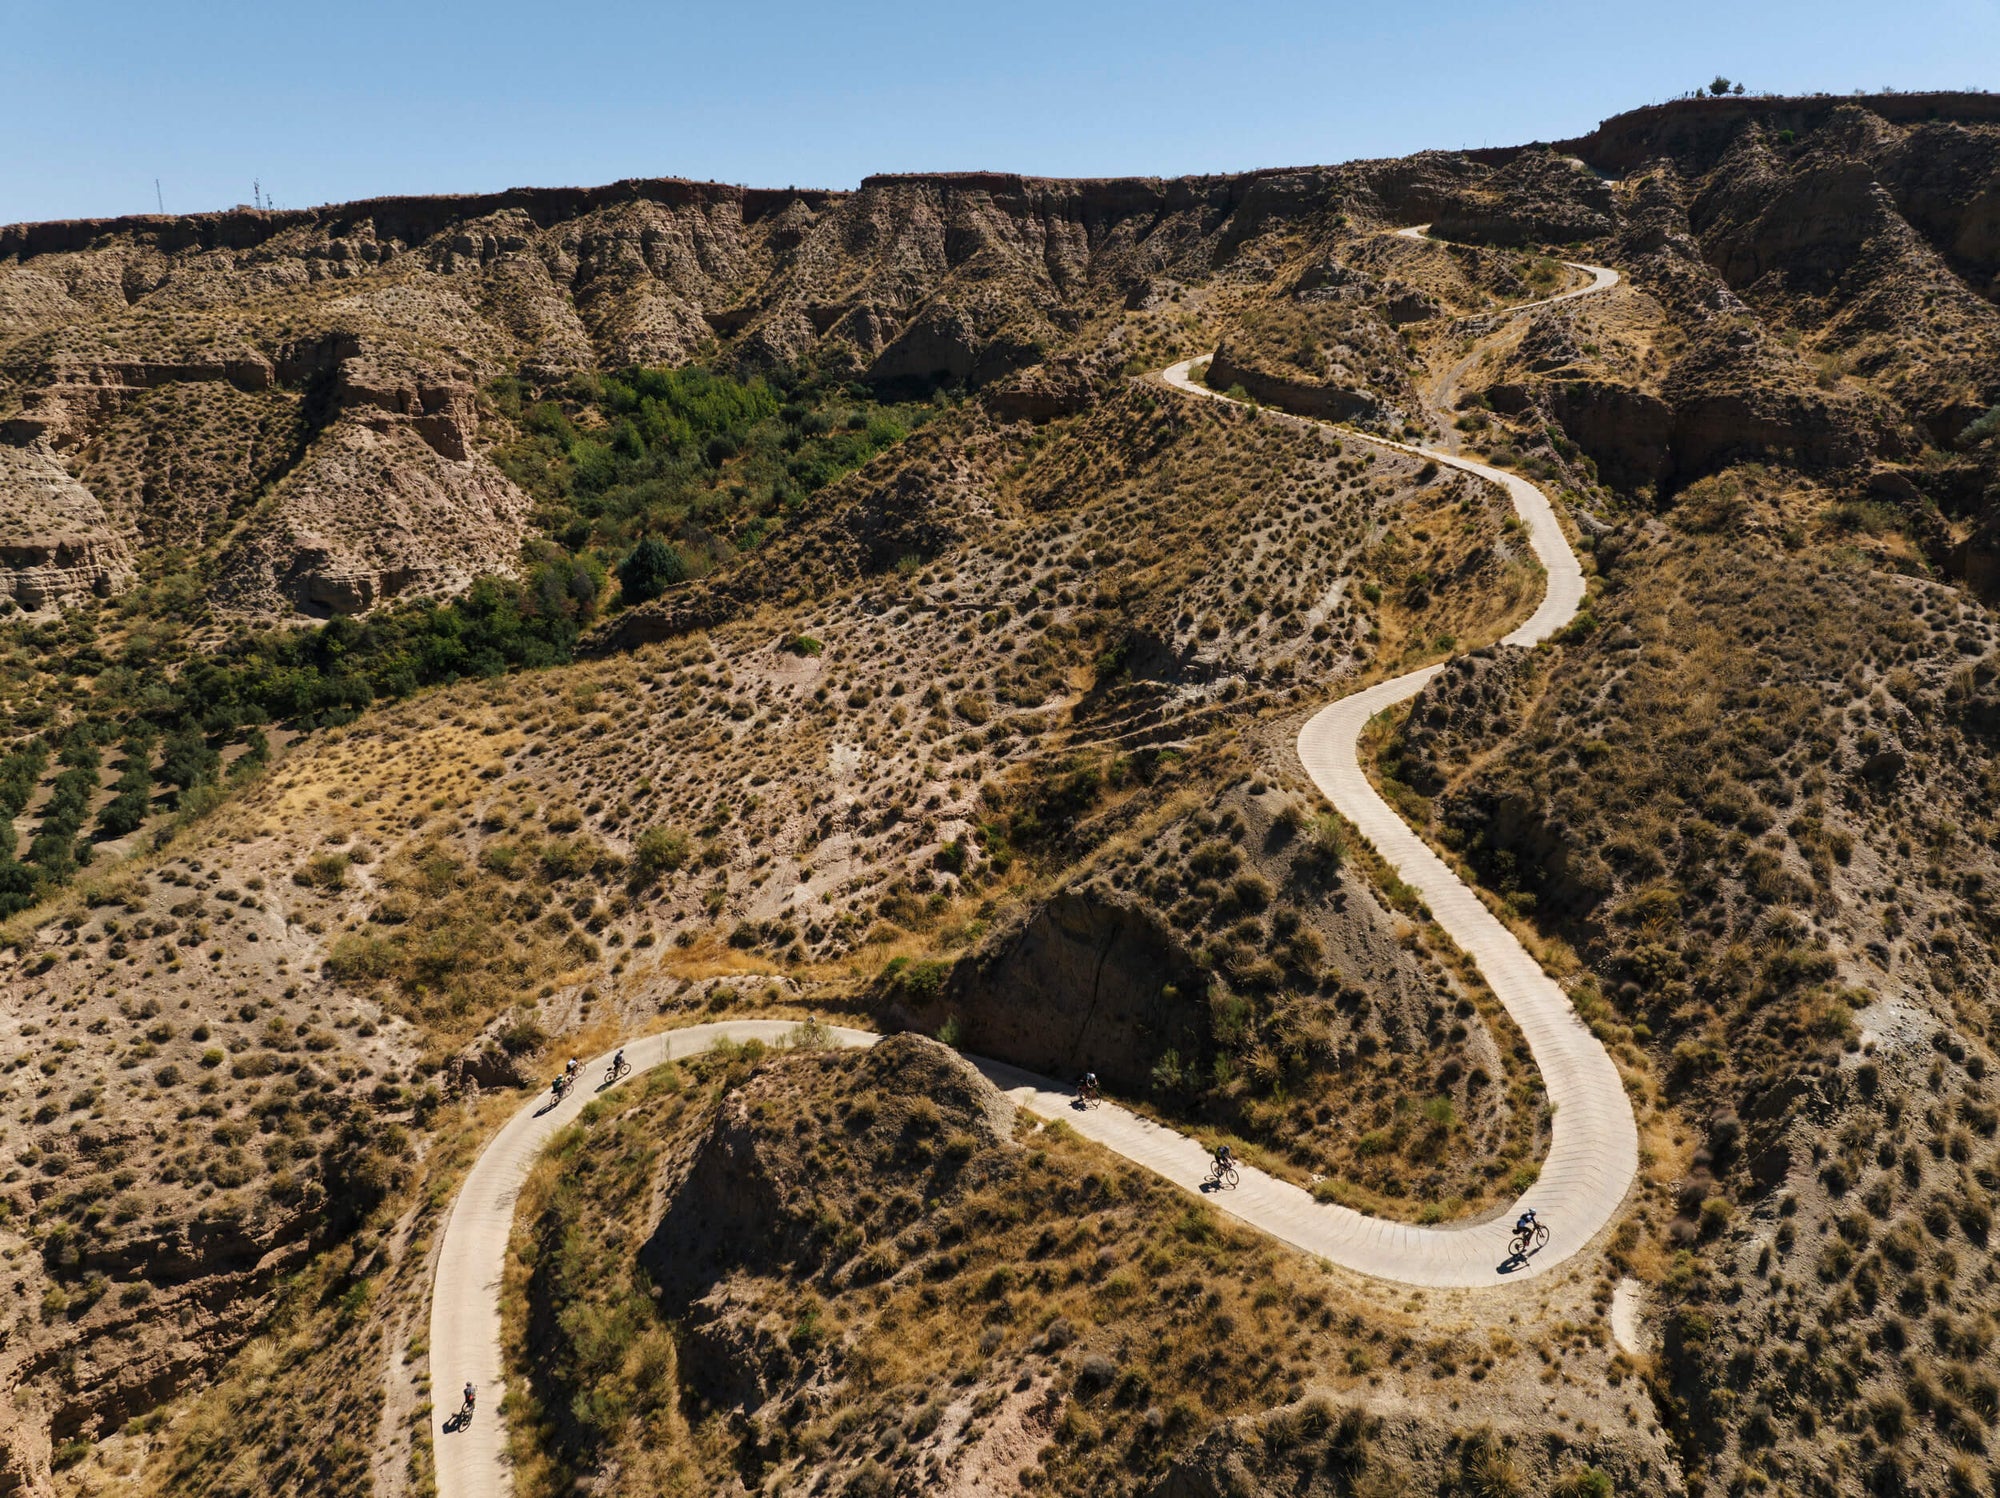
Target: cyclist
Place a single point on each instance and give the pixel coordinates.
(1225, 1160)
(558, 1087)
(618, 1062)
(1526, 1222)
(469, 1392)
(1087, 1088)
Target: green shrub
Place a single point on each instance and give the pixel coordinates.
(650, 569)
(361, 958)
(567, 858)
(1582, 1482)
(323, 871)
(658, 851)
(920, 980)
(20, 771)
(1980, 428)
(134, 788)
(187, 760)
(1866, 516)
(1716, 1213)
(1325, 849)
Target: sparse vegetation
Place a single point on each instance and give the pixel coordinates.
(929, 707)
(968, 1288)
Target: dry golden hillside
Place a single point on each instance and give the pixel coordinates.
(438, 636)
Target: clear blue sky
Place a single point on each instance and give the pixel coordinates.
(358, 98)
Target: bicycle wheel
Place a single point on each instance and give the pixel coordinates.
(1541, 1236)
(1517, 1246)
(1229, 1178)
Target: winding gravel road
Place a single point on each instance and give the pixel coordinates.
(1594, 1149)
(1593, 1157)
(1602, 278)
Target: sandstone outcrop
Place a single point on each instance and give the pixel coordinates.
(1045, 391)
(1792, 277)
(56, 542)
(387, 315)
(359, 459)
(1626, 431)
(91, 1367)
(486, 1061)
(375, 512)
(383, 392)
(1736, 399)
(24, 1448)
(1698, 131)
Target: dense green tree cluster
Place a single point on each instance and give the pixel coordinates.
(54, 847)
(20, 772)
(327, 674)
(133, 791)
(650, 570)
(700, 465)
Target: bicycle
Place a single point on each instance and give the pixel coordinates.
(1533, 1240)
(1088, 1096)
(1222, 1176)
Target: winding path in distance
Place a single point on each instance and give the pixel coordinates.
(1594, 1145)
(1593, 1156)
(1601, 278)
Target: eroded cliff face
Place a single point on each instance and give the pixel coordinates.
(1808, 284)
(299, 389)
(248, 354)
(1537, 198)
(1087, 984)
(56, 542)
